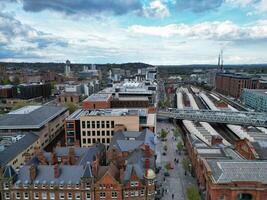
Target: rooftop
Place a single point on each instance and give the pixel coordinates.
(16, 148)
(98, 97)
(30, 117)
(259, 91)
(229, 171)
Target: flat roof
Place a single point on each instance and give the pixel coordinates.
(98, 97)
(30, 117)
(260, 91)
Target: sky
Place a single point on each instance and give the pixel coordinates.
(158, 32)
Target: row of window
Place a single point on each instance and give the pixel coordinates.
(47, 195)
(97, 124)
(97, 133)
(134, 193)
(94, 140)
(102, 195)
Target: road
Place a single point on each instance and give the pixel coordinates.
(177, 182)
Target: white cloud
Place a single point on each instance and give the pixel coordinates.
(156, 8)
(222, 31)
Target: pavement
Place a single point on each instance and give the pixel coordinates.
(177, 182)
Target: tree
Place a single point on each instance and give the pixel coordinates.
(163, 133)
(186, 164)
(72, 107)
(176, 132)
(192, 193)
(180, 146)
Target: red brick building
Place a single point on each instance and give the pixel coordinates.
(97, 101)
(232, 84)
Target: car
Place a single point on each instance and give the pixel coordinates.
(166, 174)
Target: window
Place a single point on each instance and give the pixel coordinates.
(112, 124)
(108, 133)
(88, 186)
(88, 196)
(6, 186)
(103, 133)
(93, 124)
(83, 133)
(89, 140)
(114, 195)
(93, 140)
(69, 195)
(150, 182)
(77, 186)
(112, 133)
(103, 140)
(88, 133)
(26, 195)
(98, 133)
(52, 195)
(84, 141)
(102, 195)
(36, 195)
(93, 132)
(107, 124)
(51, 186)
(102, 124)
(44, 195)
(83, 124)
(61, 195)
(88, 124)
(77, 195)
(7, 195)
(61, 186)
(17, 195)
(126, 193)
(98, 140)
(132, 193)
(134, 183)
(98, 124)
(142, 192)
(108, 140)
(35, 186)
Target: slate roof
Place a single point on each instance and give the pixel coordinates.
(261, 148)
(228, 171)
(130, 140)
(30, 120)
(15, 149)
(45, 174)
(9, 172)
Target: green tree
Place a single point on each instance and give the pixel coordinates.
(192, 193)
(180, 146)
(72, 107)
(176, 132)
(163, 133)
(186, 164)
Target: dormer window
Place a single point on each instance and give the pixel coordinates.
(88, 186)
(6, 186)
(134, 183)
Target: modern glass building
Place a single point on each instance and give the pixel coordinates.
(256, 99)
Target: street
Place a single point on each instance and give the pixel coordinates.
(177, 182)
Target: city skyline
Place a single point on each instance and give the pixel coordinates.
(155, 32)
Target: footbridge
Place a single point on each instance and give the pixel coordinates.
(258, 119)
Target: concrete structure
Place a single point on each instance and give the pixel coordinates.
(232, 84)
(46, 121)
(256, 99)
(67, 69)
(101, 125)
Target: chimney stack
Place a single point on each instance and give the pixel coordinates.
(33, 172)
(147, 163)
(72, 156)
(147, 151)
(56, 171)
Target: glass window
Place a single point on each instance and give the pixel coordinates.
(93, 124)
(6, 186)
(112, 124)
(61, 195)
(102, 124)
(44, 195)
(88, 124)
(88, 196)
(112, 133)
(108, 140)
(107, 124)
(77, 195)
(84, 141)
(52, 195)
(93, 133)
(88, 133)
(103, 140)
(98, 124)
(114, 194)
(36, 195)
(83, 124)
(98, 133)
(108, 133)
(7, 195)
(89, 140)
(17, 195)
(26, 195)
(142, 192)
(69, 195)
(126, 193)
(87, 186)
(83, 133)
(102, 195)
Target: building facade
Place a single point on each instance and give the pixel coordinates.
(256, 99)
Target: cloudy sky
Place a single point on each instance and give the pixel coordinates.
(150, 31)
